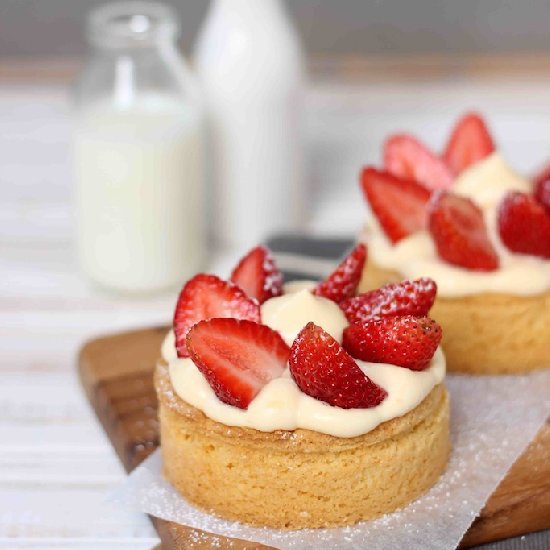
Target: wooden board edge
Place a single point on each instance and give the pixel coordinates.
(520, 504)
(180, 537)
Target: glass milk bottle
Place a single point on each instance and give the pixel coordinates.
(138, 153)
(249, 62)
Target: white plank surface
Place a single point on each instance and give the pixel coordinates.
(56, 466)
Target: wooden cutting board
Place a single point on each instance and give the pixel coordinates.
(116, 373)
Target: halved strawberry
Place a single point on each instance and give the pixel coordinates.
(406, 157)
(322, 369)
(343, 281)
(542, 188)
(238, 358)
(258, 275)
(524, 225)
(469, 143)
(393, 300)
(398, 204)
(206, 296)
(406, 341)
(459, 233)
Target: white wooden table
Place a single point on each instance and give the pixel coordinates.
(56, 465)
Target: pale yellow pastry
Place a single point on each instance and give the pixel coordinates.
(301, 478)
(325, 439)
(495, 321)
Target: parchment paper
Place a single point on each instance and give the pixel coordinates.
(493, 419)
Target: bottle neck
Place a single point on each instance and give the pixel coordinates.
(256, 10)
(132, 26)
(135, 56)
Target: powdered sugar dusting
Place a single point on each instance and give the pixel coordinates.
(492, 420)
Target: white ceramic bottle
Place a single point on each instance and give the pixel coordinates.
(249, 62)
(138, 153)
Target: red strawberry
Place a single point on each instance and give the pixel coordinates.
(238, 358)
(393, 300)
(342, 283)
(524, 225)
(542, 188)
(459, 233)
(322, 369)
(469, 143)
(406, 157)
(406, 341)
(398, 204)
(206, 296)
(258, 275)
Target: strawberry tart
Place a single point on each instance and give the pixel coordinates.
(481, 231)
(293, 406)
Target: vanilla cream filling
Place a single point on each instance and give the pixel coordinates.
(486, 183)
(281, 405)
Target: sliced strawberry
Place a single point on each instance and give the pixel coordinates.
(469, 143)
(322, 369)
(405, 157)
(406, 341)
(206, 296)
(238, 358)
(343, 281)
(542, 188)
(398, 204)
(258, 275)
(393, 300)
(524, 225)
(459, 233)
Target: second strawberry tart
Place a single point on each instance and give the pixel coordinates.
(481, 231)
(289, 406)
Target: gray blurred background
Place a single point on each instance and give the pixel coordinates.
(328, 27)
(376, 67)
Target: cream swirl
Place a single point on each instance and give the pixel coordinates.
(281, 405)
(486, 183)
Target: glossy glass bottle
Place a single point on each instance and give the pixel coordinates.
(138, 152)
